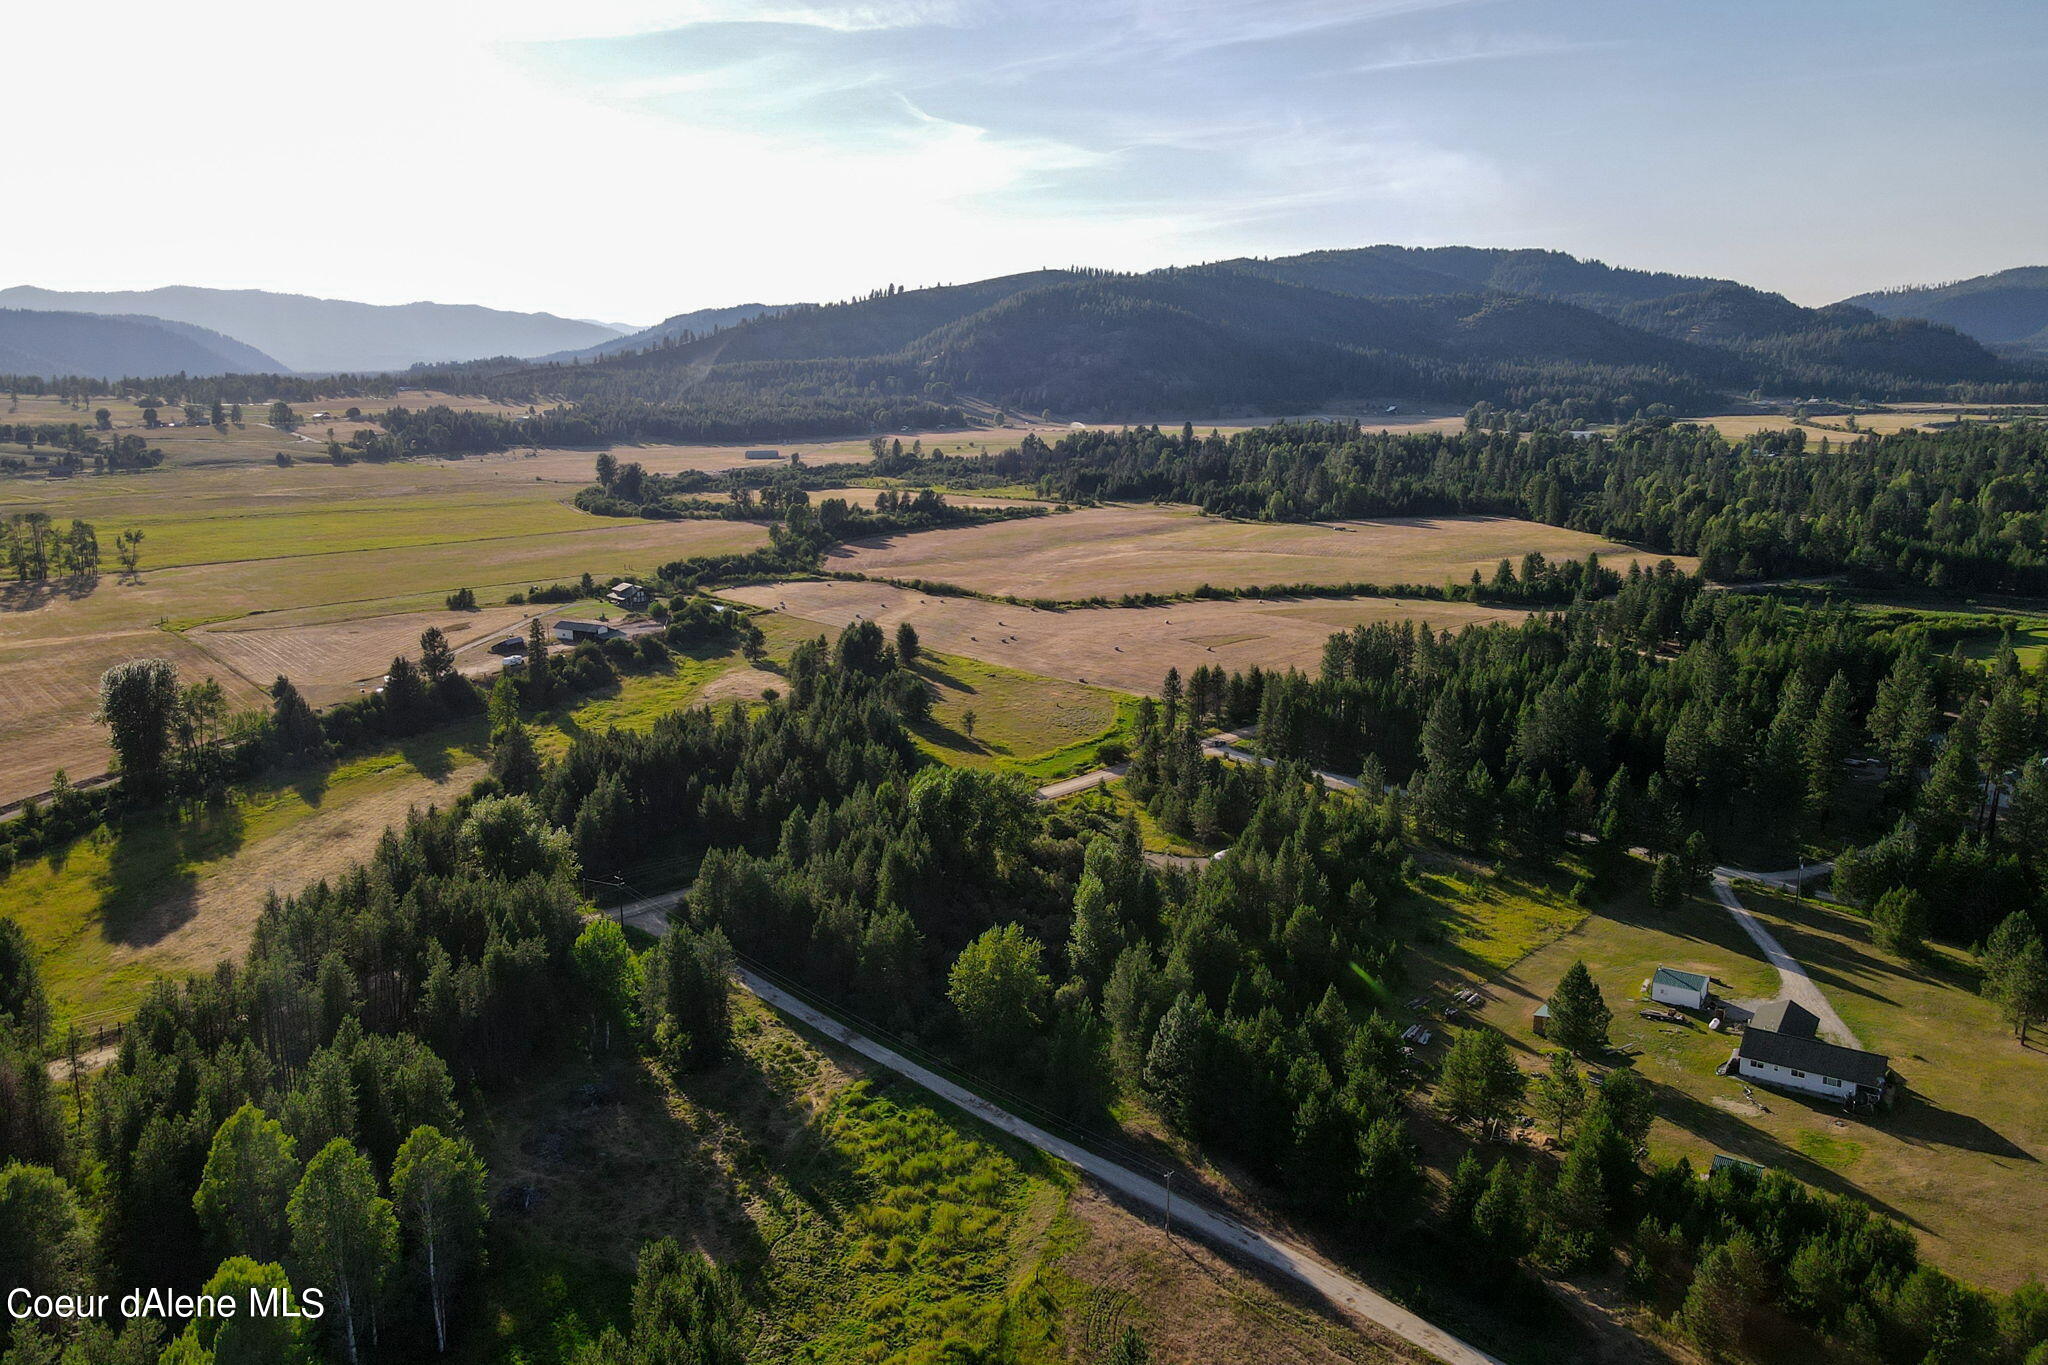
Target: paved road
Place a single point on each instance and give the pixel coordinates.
(1793, 982)
(1215, 1228)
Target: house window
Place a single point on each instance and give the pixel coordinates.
(1829, 1080)
(1799, 1075)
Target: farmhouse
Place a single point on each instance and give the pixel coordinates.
(629, 595)
(1688, 990)
(1779, 1048)
(576, 632)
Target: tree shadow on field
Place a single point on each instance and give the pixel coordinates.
(152, 887)
(30, 596)
(1917, 1121)
(931, 672)
(1728, 1133)
(943, 736)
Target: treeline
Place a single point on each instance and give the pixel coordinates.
(36, 547)
(206, 389)
(1678, 719)
(75, 446)
(1959, 510)
(785, 400)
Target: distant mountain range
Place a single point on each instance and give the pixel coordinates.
(2008, 310)
(61, 343)
(318, 336)
(702, 322)
(1451, 325)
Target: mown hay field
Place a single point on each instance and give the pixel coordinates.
(1110, 551)
(50, 689)
(329, 661)
(289, 608)
(1127, 648)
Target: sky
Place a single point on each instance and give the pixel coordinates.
(625, 160)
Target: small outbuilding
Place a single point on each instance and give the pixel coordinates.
(764, 454)
(511, 644)
(1542, 1018)
(1687, 990)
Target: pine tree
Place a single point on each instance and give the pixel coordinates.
(1578, 1015)
(1480, 1083)
(1560, 1094)
(1827, 748)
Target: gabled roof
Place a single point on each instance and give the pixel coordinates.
(1787, 1017)
(1685, 981)
(1866, 1069)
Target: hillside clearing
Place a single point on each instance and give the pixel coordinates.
(868, 1222)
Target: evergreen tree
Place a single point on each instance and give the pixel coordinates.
(1560, 1094)
(1480, 1083)
(1726, 1291)
(1578, 1015)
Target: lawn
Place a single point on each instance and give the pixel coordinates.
(1959, 1161)
(1481, 919)
(1111, 551)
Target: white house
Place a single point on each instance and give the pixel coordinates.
(1779, 1049)
(1688, 990)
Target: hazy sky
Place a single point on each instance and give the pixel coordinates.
(628, 159)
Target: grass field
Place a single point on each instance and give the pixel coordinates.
(1129, 649)
(866, 1223)
(316, 572)
(1037, 727)
(1959, 1161)
(1836, 428)
(1110, 551)
(175, 892)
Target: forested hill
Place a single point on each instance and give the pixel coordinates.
(2005, 310)
(681, 327)
(1776, 333)
(53, 343)
(1454, 326)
